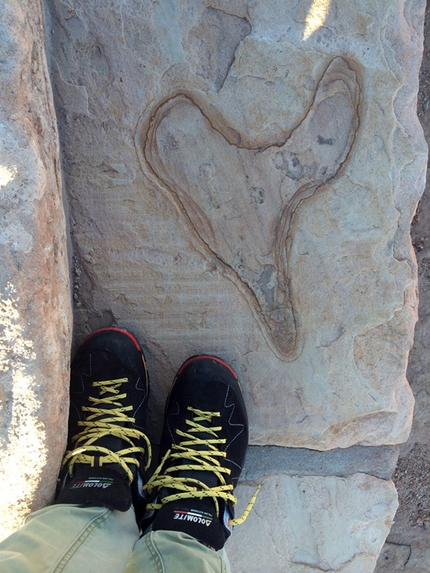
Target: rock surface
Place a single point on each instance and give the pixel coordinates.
(310, 523)
(266, 460)
(242, 179)
(35, 309)
(408, 546)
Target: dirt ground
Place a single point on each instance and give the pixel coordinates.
(408, 545)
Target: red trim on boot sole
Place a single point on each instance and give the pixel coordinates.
(116, 329)
(187, 362)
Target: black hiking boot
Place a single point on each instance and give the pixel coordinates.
(107, 452)
(202, 451)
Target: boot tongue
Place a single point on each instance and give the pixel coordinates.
(97, 487)
(109, 440)
(208, 477)
(205, 476)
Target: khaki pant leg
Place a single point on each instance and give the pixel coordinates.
(175, 552)
(71, 539)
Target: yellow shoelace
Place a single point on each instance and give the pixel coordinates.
(106, 418)
(190, 448)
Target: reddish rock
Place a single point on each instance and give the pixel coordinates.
(35, 310)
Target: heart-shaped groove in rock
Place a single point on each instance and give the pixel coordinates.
(238, 201)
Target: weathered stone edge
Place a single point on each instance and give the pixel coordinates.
(378, 461)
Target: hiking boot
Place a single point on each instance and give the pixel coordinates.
(107, 452)
(202, 451)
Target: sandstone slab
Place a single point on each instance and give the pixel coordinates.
(35, 309)
(308, 524)
(241, 178)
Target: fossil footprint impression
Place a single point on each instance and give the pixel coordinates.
(239, 201)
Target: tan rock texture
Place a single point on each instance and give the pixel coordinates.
(35, 309)
(312, 523)
(242, 176)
